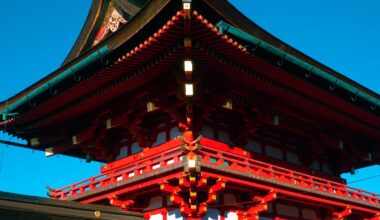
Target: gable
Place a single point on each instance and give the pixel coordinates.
(104, 19)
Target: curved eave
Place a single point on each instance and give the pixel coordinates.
(123, 35)
(96, 8)
(94, 19)
(234, 17)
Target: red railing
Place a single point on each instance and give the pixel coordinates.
(214, 153)
(219, 154)
(134, 165)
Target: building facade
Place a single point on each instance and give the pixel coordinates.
(199, 113)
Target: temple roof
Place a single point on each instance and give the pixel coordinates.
(84, 47)
(125, 44)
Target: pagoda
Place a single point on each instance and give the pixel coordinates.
(198, 113)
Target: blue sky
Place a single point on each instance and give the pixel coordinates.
(37, 35)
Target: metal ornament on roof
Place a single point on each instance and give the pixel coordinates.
(113, 20)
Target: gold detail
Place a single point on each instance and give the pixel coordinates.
(97, 214)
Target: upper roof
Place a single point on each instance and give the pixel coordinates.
(115, 27)
(100, 13)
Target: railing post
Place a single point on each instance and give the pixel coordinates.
(354, 195)
(259, 171)
(148, 166)
(176, 159)
(136, 171)
(311, 183)
(206, 158)
(162, 162)
(112, 179)
(270, 169)
(92, 186)
(72, 190)
(375, 199)
(302, 181)
(329, 189)
(361, 197)
(292, 178)
(345, 193)
(220, 161)
(125, 176)
(62, 195)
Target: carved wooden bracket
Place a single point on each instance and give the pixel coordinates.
(260, 205)
(186, 194)
(341, 215)
(125, 205)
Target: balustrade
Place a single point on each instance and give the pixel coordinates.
(213, 153)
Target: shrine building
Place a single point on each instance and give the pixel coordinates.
(199, 113)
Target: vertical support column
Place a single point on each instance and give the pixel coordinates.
(193, 192)
(188, 64)
(192, 171)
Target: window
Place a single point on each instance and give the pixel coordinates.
(326, 168)
(315, 165)
(123, 153)
(254, 146)
(224, 137)
(174, 133)
(274, 152)
(293, 158)
(161, 138)
(136, 148)
(208, 132)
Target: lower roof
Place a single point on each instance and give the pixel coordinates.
(20, 207)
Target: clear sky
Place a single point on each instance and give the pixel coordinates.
(37, 35)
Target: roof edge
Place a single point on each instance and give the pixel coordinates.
(90, 23)
(236, 18)
(225, 27)
(114, 41)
